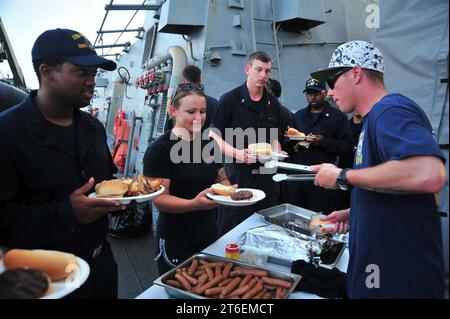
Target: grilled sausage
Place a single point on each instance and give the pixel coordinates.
(212, 283)
(254, 272)
(225, 282)
(279, 293)
(250, 294)
(198, 272)
(227, 269)
(209, 272)
(269, 287)
(236, 273)
(191, 279)
(231, 286)
(277, 282)
(260, 294)
(212, 265)
(213, 291)
(184, 282)
(193, 267)
(174, 283)
(202, 280)
(240, 291)
(245, 280)
(218, 271)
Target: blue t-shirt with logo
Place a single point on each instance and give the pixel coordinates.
(395, 240)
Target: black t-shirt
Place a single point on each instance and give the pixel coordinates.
(332, 124)
(189, 173)
(66, 138)
(315, 116)
(236, 109)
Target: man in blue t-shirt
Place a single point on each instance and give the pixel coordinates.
(395, 234)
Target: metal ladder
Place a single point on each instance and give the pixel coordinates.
(257, 44)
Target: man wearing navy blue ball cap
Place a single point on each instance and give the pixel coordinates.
(328, 142)
(52, 156)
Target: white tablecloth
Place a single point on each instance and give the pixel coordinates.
(218, 249)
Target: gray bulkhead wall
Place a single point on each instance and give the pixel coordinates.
(415, 43)
(225, 29)
(311, 50)
(301, 53)
(219, 33)
(134, 99)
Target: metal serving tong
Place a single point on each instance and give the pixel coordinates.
(293, 177)
(295, 167)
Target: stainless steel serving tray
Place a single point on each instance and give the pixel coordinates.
(182, 294)
(290, 217)
(297, 219)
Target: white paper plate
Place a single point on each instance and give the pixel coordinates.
(62, 288)
(227, 201)
(127, 200)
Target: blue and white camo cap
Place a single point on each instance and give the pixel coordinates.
(361, 53)
(353, 53)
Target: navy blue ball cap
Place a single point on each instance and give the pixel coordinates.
(313, 84)
(70, 46)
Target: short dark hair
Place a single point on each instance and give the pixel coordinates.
(54, 63)
(192, 74)
(274, 87)
(260, 56)
(374, 76)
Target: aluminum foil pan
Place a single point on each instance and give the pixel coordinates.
(283, 246)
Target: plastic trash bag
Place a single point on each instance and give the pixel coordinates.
(135, 221)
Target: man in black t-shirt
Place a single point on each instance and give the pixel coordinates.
(251, 108)
(331, 141)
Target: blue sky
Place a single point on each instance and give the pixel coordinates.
(25, 20)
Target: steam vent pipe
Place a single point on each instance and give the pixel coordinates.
(179, 60)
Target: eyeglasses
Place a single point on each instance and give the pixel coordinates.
(191, 87)
(331, 80)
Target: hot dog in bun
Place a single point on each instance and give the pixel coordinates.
(57, 265)
(220, 189)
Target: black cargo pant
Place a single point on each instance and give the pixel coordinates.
(102, 282)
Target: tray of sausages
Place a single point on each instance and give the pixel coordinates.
(206, 276)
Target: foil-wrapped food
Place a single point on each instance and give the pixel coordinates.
(284, 246)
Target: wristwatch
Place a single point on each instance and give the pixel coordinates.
(341, 181)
